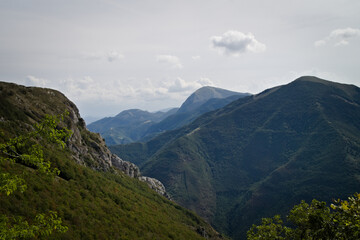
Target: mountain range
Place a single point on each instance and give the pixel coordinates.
(136, 125)
(260, 155)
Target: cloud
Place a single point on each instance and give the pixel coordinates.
(83, 83)
(171, 60)
(110, 56)
(99, 97)
(36, 82)
(93, 56)
(205, 82)
(235, 43)
(339, 37)
(345, 33)
(320, 43)
(180, 85)
(114, 55)
(195, 57)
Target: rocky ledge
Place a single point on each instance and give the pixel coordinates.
(155, 185)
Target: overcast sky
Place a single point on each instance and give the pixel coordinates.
(112, 55)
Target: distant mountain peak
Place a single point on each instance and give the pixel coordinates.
(204, 94)
(313, 79)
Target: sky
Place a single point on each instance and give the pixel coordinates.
(111, 55)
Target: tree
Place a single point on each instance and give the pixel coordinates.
(314, 221)
(27, 149)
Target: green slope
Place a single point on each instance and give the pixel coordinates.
(104, 204)
(261, 155)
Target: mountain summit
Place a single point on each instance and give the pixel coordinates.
(203, 95)
(262, 154)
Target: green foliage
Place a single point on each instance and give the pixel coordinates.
(347, 217)
(43, 226)
(10, 183)
(26, 149)
(270, 228)
(314, 221)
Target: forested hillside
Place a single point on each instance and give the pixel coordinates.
(260, 155)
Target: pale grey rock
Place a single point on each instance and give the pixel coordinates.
(128, 168)
(89, 149)
(155, 185)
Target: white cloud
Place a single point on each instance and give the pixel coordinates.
(92, 55)
(87, 90)
(79, 84)
(110, 56)
(171, 60)
(320, 43)
(36, 82)
(180, 85)
(339, 37)
(195, 57)
(205, 82)
(342, 43)
(235, 43)
(114, 55)
(345, 33)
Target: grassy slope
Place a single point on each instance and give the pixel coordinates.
(98, 205)
(94, 205)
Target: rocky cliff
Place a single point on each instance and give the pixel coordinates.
(156, 185)
(89, 149)
(24, 106)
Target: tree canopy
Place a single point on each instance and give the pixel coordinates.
(26, 149)
(313, 221)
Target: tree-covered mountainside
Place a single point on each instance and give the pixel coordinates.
(260, 155)
(94, 199)
(136, 125)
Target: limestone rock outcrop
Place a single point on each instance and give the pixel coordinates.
(155, 185)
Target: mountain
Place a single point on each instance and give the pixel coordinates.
(203, 100)
(136, 125)
(260, 155)
(128, 126)
(97, 194)
(202, 95)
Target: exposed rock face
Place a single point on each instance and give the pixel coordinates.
(89, 148)
(128, 168)
(155, 185)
